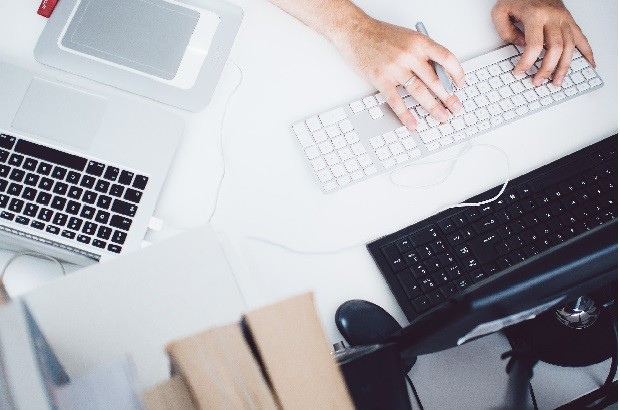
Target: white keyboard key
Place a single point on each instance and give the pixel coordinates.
(338, 170)
(588, 73)
(370, 170)
(471, 131)
(552, 88)
(542, 91)
(318, 164)
(445, 141)
(483, 74)
(461, 95)
(303, 135)
(469, 106)
(459, 136)
(446, 129)
(481, 100)
(517, 88)
(494, 70)
(325, 175)
(357, 175)
(496, 83)
(345, 126)
(509, 115)
(470, 119)
(520, 76)
(332, 159)
(421, 111)
(484, 125)
(530, 95)
(571, 91)
(339, 142)
(506, 65)
(370, 101)
(471, 79)
(402, 91)
(390, 137)
(595, 82)
(314, 124)
(364, 160)
(358, 149)
(380, 98)
(576, 54)
(375, 113)
(518, 100)
(567, 82)
(506, 104)
(495, 121)
(414, 153)
(344, 180)
(430, 135)
(546, 100)
(484, 87)
(330, 186)
(345, 154)
(558, 96)
(320, 136)
(505, 92)
(332, 131)
(326, 147)
(527, 83)
(402, 132)
(422, 125)
(351, 165)
(482, 113)
(396, 148)
(577, 78)
(357, 106)
(471, 91)
(377, 142)
(312, 152)
(409, 143)
(534, 106)
(583, 86)
(494, 96)
(515, 60)
(433, 146)
(495, 109)
(508, 78)
(351, 137)
(522, 110)
(579, 63)
(389, 163)
(333, 116)
(402, 158)
(458, 124)
(410, 102)
(383, 153)
(431, 121)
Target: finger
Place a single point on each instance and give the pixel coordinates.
(554, 41)
(534, 40)
(584, 46)
(397, 105)
(427, 74)
(566, 59)
(449, 62)
(420, 92)
(506, 29)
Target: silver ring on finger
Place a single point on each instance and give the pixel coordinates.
(410, 81)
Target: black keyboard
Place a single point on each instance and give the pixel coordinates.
(430, 262)
(67, 195)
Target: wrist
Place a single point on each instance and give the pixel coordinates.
(346, 25)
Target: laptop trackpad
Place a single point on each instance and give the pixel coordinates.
(61, 113)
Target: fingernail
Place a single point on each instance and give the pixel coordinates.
(518, 72)
(559, 80)
(444, 115)
(537, 82)
(411, 124)
(456, 106)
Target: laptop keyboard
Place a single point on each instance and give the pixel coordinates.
(67, 195)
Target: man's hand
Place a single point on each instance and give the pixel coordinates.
(388, 56)
(548, 23)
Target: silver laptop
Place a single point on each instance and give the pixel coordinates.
(80, 171)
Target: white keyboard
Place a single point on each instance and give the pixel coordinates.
(364, 139)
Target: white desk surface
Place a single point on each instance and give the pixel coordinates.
(290, 73)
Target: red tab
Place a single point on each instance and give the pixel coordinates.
(47, 8)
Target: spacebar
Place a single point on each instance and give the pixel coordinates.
(490, 58)
(50, 155)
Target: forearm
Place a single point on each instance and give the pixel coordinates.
(334, 19)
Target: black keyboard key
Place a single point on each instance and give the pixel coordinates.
(22, 220)
(403, 244)
(104, 232)
(60, 219)
(95, 168)
(111, 173)
(68, 234)
(31, 210)
(125, 178)
(17, 175)
(419, 270)
(4, 155)
(119, 237)
(433, 264)
(427, 284)
(7, 141)
(462, 283)
(116, 190)
(73, 177)
(16, 160)
(412, 258)
(46, 184)
(52, 229)
(89, 197)
(120, 222)
(391, 253)
(44, 198)
(3, 184)
(102, 186)
(89, 228)
(436, 297)
(102, 217)
(60, 188)
(44, 168)
(441, 278)
(455, 272)
(59, 172)
(37, 225)
(421, 304)
(87, 181)
(75, 192)
(7, 215)
(45, 214)
(88, 212)
(140, 182)
(83, 239)
(438, 246)
(449, 290)
(4, 171)
(124, 208)
(477, 276)
(104, 202)
(14, 189)
(424, 236)
(410, 286)
(16, 205)
(31, 179)
(483, 248)
(50, 155)
(29, 194)
(58, 203)
(4, 200)
(114, 248)
(447, 225)
(99, 244)
(74, 223)
(73, 207)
